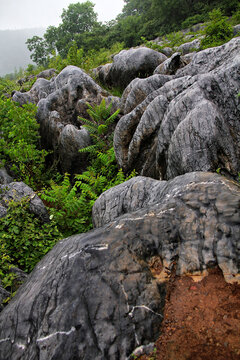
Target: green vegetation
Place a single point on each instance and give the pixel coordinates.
(71, 205)
(218, 31)
(98, 127)
(82, 41)
(19, 142)
(24, 239)
(139, 18)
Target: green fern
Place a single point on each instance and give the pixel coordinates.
(98, 126)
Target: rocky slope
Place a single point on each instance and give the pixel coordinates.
(104, 294)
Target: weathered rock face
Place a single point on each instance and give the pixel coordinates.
(139, 89)
(46, 73)
(129, 64)
(60, 101)
(17, 191)
(3, 296)
(189, 46)
(190, 123)
(99, 295)
(171, 65)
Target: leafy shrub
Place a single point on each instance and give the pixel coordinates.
(151, 44)
(192, 20)
(7, 86)
(98, 126)
(218, 31)
(86, 61)
(24, 240)
(71, 205)
(236, 16)
(20, 140)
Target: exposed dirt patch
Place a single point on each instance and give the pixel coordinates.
(201, 320)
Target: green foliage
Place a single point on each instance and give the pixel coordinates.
(192, 20)
(86, 61)
(24, 240)
(7, 86)
(98, 126)
(39, 48)
(19, 142)
(235, 20)
(71, 205)
(218, 31)
(151, 44)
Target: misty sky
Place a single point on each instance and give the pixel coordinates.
(19, 14)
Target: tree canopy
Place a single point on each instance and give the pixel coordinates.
(147, 18)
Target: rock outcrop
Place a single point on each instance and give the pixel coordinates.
(188, 47)
(139, 89)
(191, 123)
(101, 295)
(60, 101)
(16, 191)
(129, 64)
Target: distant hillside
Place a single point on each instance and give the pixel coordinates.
(14, 53)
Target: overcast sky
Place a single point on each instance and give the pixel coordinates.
(19, 14)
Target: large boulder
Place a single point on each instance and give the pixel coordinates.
(139, 89)
(16, 191)
(46, 73)
(101, 295)
(129, 64)
(188, 47)
(190, 123)
(60, 101)
(171, 65)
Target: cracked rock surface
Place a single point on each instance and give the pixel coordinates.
(99, 295)
(190, 123)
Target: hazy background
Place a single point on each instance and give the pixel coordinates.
(33, 17)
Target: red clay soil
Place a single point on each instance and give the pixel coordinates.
(201, 320)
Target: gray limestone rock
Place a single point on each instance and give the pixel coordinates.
(18, 190)
(3, 296)
(189, 47)
(40, 90)
(167, 51)
(190, 123)
(129, 64)
(171, 65)
(46, 73)
(139, 89)
(60, 101)
(101, 72)
(97, 295)
(72, 139)
(207, 60)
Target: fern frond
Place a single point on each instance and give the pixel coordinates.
(91, 149)
(111, 119)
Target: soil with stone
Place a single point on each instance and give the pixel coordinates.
(201, 320)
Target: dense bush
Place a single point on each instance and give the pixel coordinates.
(19, 142)
(24, 240)
(7, 86)
(218, 31)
